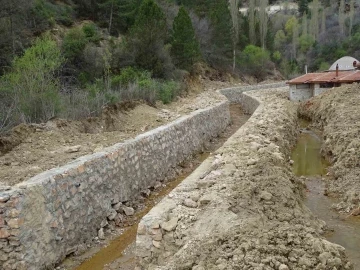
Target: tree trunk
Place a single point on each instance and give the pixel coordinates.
(12, 34)
(234, 59)
(111, 16)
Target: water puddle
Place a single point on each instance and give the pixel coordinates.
(308, 162)
(119, 253)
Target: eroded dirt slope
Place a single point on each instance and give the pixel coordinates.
(32, 149)
(337, 111)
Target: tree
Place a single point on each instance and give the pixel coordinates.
(304, 25)
(323, 21)
(295, 39)
(147, 37)
(263, 19)
(290, 25)
(120, 14)
(185, 49)
(280, 39)
(254, 61)
(342, 16)
(252, 22)
(303, 6)
(314, 22)
(351, 16)
(234, 8)
(14, 28)
(221, 32)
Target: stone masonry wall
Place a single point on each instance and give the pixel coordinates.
(249, 104)
(45, 218)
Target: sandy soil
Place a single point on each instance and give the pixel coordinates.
(31, 149)
(337, 112)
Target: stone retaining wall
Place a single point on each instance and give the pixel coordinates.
(249, 104)
(45, 218)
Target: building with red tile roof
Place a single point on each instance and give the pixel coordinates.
(312, 84)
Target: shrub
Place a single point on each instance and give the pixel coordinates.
(168, 91)
(324, 66)
(91, 32)
(130, 75)
(74, 43)
(254, 61)
(32, 81)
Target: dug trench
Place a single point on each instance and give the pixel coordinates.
(117, 250)
(312, 167)
(242, 208)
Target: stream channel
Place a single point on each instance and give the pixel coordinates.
(308, 162)
(119, 253)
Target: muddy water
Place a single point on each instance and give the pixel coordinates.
(119, 253)
(308, 161)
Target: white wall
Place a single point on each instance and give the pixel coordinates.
(300, 92)
(318, 90)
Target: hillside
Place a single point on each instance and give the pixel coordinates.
(72, 58)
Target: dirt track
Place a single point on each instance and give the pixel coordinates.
(337, 113)
(40, 147)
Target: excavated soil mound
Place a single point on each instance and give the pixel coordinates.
(337, 113)
(243, 208)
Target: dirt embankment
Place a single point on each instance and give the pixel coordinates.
(31, 149)
(243, 208)
(337, 113)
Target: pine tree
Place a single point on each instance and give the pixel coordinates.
(120, 14)
(147, 38)
(303, 6)
(185, 49)
(222, 28)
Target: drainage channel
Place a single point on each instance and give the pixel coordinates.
(119, 254)
(308, 162)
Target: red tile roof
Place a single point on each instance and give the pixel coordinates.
(326, 77)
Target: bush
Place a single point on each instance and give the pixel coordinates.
(255, 61)
(74, 43)
(168, 91)
(130, 75)
(91, 32)
(32, 81)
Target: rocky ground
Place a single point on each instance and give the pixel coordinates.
(243, 208)
(337, 113)
(31, 149)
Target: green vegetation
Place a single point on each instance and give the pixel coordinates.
(108, 51)
(147, 39)
(185, 48)
(31, 86)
